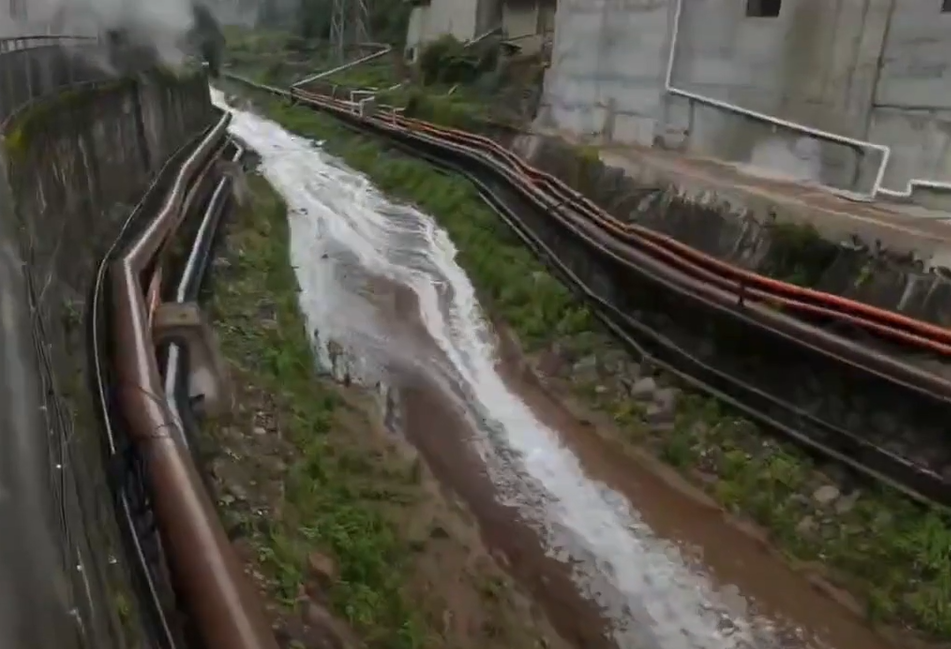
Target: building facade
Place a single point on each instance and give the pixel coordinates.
(526, 23)
(735, 79)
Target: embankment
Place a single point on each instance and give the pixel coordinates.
(753, 233)
(883, 549)
(72, 166)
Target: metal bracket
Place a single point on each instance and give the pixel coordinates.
(186, 325)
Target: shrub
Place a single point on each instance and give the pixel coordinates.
(447, 60)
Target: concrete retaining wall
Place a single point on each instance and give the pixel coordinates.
(867, 407)
(749, 237)
(74, 158)
(72, 166)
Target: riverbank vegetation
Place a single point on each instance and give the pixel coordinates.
(893, 555)
(340, 525)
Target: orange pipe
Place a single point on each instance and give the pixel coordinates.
(701, 257)
(922, 334)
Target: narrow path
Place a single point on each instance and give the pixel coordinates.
(610, 550)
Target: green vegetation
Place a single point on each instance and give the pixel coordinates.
(333, 492)
(894, 555)
(798, 254)
(474, 88)
(348, 519)
(311, 19)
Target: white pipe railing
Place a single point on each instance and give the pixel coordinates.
(384, 50)
(484, 35)
(885, 151)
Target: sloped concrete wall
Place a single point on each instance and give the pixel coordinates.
(74, 158)
(751, 237)
(72, 166)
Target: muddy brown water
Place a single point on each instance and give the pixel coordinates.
(435, 421)
(616, 550)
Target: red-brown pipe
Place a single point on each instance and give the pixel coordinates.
(204, 567)
(889, 324)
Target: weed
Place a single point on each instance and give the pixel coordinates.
(322, 508)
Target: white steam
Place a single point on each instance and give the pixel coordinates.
(163, 24)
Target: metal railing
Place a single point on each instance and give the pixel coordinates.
(826, 136)
(12, 43)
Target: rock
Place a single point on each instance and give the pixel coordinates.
(806, 526)
(657, 415)
(643, 389)
(238, 491)
(846, 503)
(663, 409)
(585, 370)
(667, 398)
(615, 362)
(322, 569)
(260, 430)
(825, 494)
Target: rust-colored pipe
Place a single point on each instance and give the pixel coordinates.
(886, 323)
(153, 294)
(206, 571)
(623, 250)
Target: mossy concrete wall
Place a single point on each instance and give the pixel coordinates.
(758, 234)
(73, 159)
(867, 406)
(72, 166)
(38, 71)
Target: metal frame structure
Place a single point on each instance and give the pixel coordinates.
(349, 25)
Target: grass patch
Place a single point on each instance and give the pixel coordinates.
(894, 555)
(327, 503)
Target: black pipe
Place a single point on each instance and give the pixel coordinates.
(187, 290)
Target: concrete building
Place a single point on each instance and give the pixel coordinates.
(524, 22)
(735, 79)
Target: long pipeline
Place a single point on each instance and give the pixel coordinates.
(880, 322)
(187, 289)
(919, 482)
(727, 296)
(206, 572)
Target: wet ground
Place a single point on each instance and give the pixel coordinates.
(615, 552)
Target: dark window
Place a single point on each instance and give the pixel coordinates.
(770, 8)
(945, 6)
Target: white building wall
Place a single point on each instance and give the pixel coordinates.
(859, 68)
(911, 112)
(456, 17)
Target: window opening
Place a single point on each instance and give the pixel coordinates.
(770, 8)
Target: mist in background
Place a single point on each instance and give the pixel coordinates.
(166, 25)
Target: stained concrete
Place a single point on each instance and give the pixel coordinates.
(868, 69)
(73, 164)
(864, 252)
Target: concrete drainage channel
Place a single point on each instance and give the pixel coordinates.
(842, 401)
